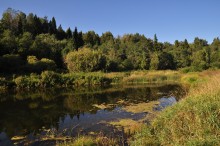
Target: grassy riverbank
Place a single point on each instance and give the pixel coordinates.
(193, 121)
(184, 123)
(48, 79)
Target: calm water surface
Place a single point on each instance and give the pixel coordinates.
(74, 112)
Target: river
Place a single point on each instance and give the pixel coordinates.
(31, 115)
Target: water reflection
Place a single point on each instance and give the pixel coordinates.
(165, 102)
(72, 110)
(5, 140)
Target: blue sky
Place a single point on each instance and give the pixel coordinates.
(169, 19)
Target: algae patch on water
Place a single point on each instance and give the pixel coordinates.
(141, 107)
(103, 106)
(128, 125)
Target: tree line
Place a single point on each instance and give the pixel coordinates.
(29, 43)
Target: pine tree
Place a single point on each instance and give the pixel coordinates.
(80, 39)
(186, 44)
(60, 33)
(53, 26)
(75, 38)
(37, 25)
(69, 33)
(156, 45)
(20, 27)
(45, 25)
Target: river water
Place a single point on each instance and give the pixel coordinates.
(31, 115)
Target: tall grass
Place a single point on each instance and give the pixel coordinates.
(89, 141)
(49, 79)
(193, 121)
(135, 77)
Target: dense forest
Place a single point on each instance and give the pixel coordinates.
(30, 44)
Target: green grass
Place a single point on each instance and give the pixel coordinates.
(89, 141)
(136, 77)
(48, 79)
(81, 141)
(193, 121)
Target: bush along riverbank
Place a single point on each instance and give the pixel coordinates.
(49, 79)
(52, 79)
(195, 120)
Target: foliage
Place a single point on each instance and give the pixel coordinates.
(27, 82)
(85, 60)
(30, 35)
(50, 79)
(37, 66)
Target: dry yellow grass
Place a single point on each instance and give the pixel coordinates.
(194, 120)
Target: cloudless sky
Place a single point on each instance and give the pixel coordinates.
(170, 19)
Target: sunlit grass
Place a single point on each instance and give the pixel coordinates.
(80, 141)
(50, 79)
(193, 121)
(89, 141)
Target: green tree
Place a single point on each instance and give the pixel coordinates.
(199, 61)
(85, 60)
(24, 44)
(199, 44)
(45, 25)
(76, 39)
(60, 33)
(154, 62)
(91, 39)
(52, 26)
(47, 46)
(30, 24)
(10, 20)
(37, 26)
(107, 37)
(70, 46)
(37, 66)
(20, 27)
(80, 39)
(8, 43)
(162, 61)
(69, 33)
(215, 53)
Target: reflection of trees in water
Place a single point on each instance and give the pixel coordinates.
(19, 119)
(25, 112)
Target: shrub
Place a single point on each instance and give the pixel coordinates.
(50, 79)
(22, 82)
(88, 79)
(4, 84)
(35, 65)
(32, 59)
